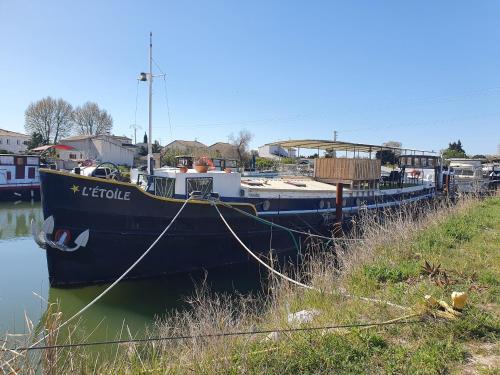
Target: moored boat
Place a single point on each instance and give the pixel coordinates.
(120, 220)
(19, 177)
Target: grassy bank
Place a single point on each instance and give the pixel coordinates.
(400, 259)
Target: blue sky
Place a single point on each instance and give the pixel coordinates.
(423, 73)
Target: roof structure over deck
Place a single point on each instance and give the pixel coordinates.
(327, 145)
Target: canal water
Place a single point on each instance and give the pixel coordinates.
(25, 290)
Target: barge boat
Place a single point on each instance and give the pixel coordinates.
(95, 227)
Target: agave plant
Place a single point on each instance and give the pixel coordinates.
(436, 274)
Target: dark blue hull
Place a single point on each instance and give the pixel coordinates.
(124, 221)
(122, 229)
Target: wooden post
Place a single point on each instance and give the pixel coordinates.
(337, 231)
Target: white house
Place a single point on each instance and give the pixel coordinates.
(12, 141)
(276, 152)
(103, 148)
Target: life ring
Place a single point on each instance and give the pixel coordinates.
(87, 163)
(62, 234)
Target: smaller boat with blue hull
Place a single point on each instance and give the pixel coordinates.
(19, 178)
(96, 228)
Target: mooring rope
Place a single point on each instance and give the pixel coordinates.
(223, 334)
(264, 221)
(251, 253)
(87, 306)
(310, 287)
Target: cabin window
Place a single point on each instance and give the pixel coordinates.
(424, 162)
(31, 172)
(31, 160)
(164, 187)
(20, 161)
(9, 175)
(6, 160)
(18, 142)
(8, 141)
(157, 185)
(202, 184)
(72, 156)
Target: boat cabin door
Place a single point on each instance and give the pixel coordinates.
(20, 169)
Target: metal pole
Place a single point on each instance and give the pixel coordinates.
(150, 136)
(337, 232)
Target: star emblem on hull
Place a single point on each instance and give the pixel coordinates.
(75, 189)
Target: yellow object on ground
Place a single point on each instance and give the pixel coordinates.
(431, 301)
(458, 300)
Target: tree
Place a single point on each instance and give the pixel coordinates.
(51, 118)
(264, 163)
(457, 146)
(240, 143)
(389, 156)
(394, 144)
(454, 150)
(35, 141)
(386, 157)
(155, 147)
(92, 120)
(145, 140)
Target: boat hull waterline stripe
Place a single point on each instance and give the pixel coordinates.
(345, 209)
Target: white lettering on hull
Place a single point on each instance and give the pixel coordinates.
(101, 193)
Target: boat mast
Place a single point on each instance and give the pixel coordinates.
(150, 81)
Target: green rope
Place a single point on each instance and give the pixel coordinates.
(290, 231)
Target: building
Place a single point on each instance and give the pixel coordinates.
(185, 146)
(223, 150)
(103, 148)
(276, 152)
(12, 141)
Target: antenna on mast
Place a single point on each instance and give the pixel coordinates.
(135, 126)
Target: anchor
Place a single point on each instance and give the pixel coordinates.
(42, 239)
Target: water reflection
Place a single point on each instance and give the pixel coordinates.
(138, 303)
(15, 219)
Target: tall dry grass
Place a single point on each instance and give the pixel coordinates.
(212, 313)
